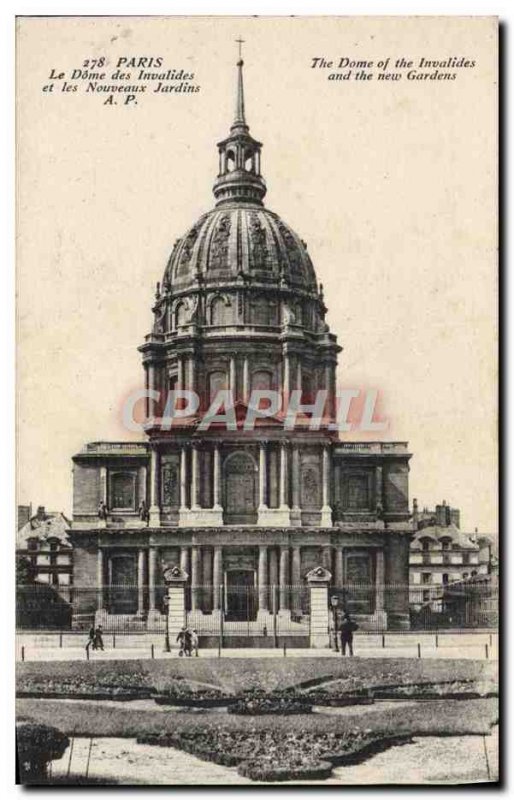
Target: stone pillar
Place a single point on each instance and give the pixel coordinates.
(191, 374)
(246, 381)
(175, 579)
(140, 582)
(217, 576)
(196, 571)
(326, 558)
(262, 477)
(152, 568)
(299, 375)
(286, 378)
(100, 572)
(232, 378)
(151, 388)
(155, 468)
(338, 567)
(183, 478)
(195, 482)
(296, 580)
(318, 580)
(284, 581)
(379, 582)
(283, 477)
(216, 478)
(180, 373)
(396, 553)
(295, 514)
(263, 579)
(207, 578)
(184, 559)
(378, 488)
(326, 511)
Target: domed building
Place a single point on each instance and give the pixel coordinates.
(246, 511)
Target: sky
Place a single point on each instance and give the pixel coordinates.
(392, 186)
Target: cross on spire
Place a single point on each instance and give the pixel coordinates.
(240, 42)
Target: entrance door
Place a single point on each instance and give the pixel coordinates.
(123, 584)
(240, 490)
(240, 599)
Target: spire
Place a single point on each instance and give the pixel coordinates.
(239, 178)
(239, 119)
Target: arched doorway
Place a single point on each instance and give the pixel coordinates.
(240, 489)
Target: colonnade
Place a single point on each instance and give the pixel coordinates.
(276, 566)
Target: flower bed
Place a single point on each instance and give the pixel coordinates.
(275, 755)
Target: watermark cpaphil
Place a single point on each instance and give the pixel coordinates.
(347, 410)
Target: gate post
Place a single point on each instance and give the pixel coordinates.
(318, 580)
(175, 579)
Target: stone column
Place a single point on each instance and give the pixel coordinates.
(151, 388)
(191, 375)
(263, 579)
(155, 468)
(246, 380)
(318, 580)
(338, 567)
(207, 578)
(216, 478)
(217, 576)
(299, 375)
(326, 511)
(378, 488)
(326, 557)
(379, 582)
(232, 378)
(262, 477)
(100, 572)
(195, 482)
(196, 571)
(184, 559)
(180, 373)
(286, 377)
(283, 477)
(296, 580)
(183, 478)
(152, 567)
(140, 582)
(284, 580)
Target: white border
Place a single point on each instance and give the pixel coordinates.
(502, 8)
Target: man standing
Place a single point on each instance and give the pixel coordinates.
(347, 628)
(98, 640)
(91, 639)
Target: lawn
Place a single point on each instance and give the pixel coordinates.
(237, 675)
(437, 718)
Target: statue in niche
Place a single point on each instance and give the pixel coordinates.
(258, 243)
(219, 244)
(143, 512)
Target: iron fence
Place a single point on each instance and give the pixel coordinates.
(264, 612)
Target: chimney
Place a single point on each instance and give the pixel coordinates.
(24, 514)
(440, 514)
(40, 512)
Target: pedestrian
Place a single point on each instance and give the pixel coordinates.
(181, 639)
(347, 629)
(188, 635)
(195, 642)
(98, 639)
(91, 639)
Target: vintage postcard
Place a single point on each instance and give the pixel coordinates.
(257, 377)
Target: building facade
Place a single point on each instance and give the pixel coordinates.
(239, 310)
(42, 540)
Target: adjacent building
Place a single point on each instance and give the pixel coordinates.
(43, 541)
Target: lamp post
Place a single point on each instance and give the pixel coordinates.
(167, 648)
(334, 602)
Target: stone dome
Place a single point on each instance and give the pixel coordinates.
(240, 240)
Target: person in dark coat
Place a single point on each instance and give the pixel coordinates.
(347, 629)
(91, 639)
(98, 643)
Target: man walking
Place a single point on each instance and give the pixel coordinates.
(347, 628)
(98, 643)
(194, 641)
(91, 639)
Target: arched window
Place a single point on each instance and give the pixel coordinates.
(231, 161)
(221, 311)
(123, 491)
(180, 314)
(262, 379)
(217, 382)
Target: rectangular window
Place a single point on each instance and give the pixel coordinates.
(358, 492)
(426, 577)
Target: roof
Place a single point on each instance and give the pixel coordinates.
(439, 532)
(52, 524)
